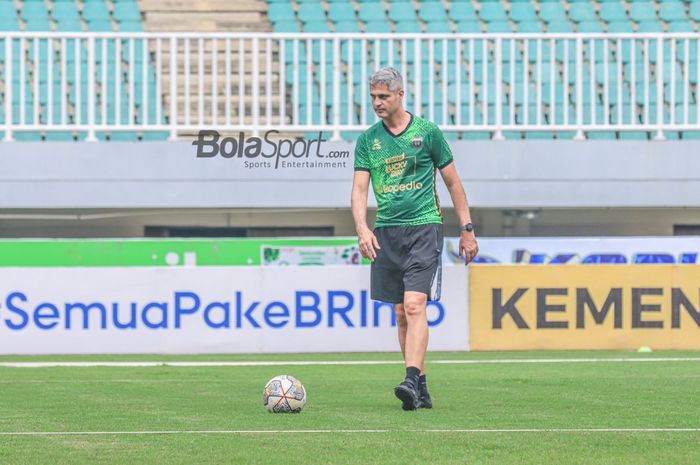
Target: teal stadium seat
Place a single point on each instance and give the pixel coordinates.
(463, 11)
(694, 11)
(490, 12)
(347, 26)
(553, 12)
(130, 26)
(94, 11)
(499, 26)
(341, 12)
(529, 26)
(8, 11)
(672, 11)
(37, 25)
(310, 13)
(680, 26)
(590, 27)
(65, 12)
(100, 26)
(408, 27)
(34, 11)
(370, 12)
(650, 26)
(316, 26)
(581, 12)
(621, 25)
(522, 12)
(469, 27)
(643, 12)
(402, 11)
(432, 12)
(560, 27)
(280, 12)
(126, 12)
(611, 12)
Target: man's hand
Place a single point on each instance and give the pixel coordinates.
(368, 243)
(468, 248)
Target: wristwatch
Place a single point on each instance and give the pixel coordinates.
(469, 227)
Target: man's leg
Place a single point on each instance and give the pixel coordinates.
(413, 339)
(417, 329)
(402, 326)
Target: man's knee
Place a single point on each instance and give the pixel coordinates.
(414, 304)
(400, 313)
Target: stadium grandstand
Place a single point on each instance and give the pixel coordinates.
(158, 72)
(119, 70)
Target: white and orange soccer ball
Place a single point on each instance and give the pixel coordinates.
(284, 394)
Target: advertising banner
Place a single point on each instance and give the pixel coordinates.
(584, 307)
(580, 250)
(112, 310)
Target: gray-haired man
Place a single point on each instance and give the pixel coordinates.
(401, 154)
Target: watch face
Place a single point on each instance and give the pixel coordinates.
(468, 227)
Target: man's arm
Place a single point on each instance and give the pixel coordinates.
(468, 246)
(365, 237)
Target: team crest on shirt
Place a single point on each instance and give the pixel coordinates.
(376, 145)
(417, 142)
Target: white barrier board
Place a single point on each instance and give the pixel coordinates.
(211, 310)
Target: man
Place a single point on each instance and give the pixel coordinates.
(400, 154)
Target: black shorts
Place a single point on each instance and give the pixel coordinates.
(409, 259)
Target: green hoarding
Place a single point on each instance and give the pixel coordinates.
(173, 252)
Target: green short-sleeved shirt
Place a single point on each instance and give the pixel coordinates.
(402, 168)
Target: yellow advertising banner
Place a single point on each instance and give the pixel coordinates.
(521, 307)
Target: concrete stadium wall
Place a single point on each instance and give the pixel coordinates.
(507, 174)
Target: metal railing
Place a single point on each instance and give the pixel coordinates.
(179, 83)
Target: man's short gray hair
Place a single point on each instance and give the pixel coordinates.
(389, 77)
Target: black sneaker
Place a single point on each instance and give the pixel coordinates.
(408, 394)
(424, 400)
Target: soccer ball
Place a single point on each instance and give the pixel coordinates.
(284, 394)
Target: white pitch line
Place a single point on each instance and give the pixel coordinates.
(353, 431)
(341, 362)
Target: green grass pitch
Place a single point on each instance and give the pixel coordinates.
(214, 415)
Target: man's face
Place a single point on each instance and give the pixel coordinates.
(384, 101)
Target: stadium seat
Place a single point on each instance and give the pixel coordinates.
(463, 11)
(522, 12)
(621, 25)
(347, 26)
(316, 26)
(129, 26)
(469, 27)
(126, 12)
(553, 12)
(34, 11)
(65, 12)
(492, 12)
(581, 12)
(280, 12)
(643, 12)
(371, 12)
(310, 13)
(95, 11)
(559, 26)
(432, 12)
(680, 26)
(590, 26)
(408, 27)
(341, 12)
(672, 11)
(610, 12)
(529, 26)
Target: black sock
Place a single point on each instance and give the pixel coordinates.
(413, 374)
(422, 384)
